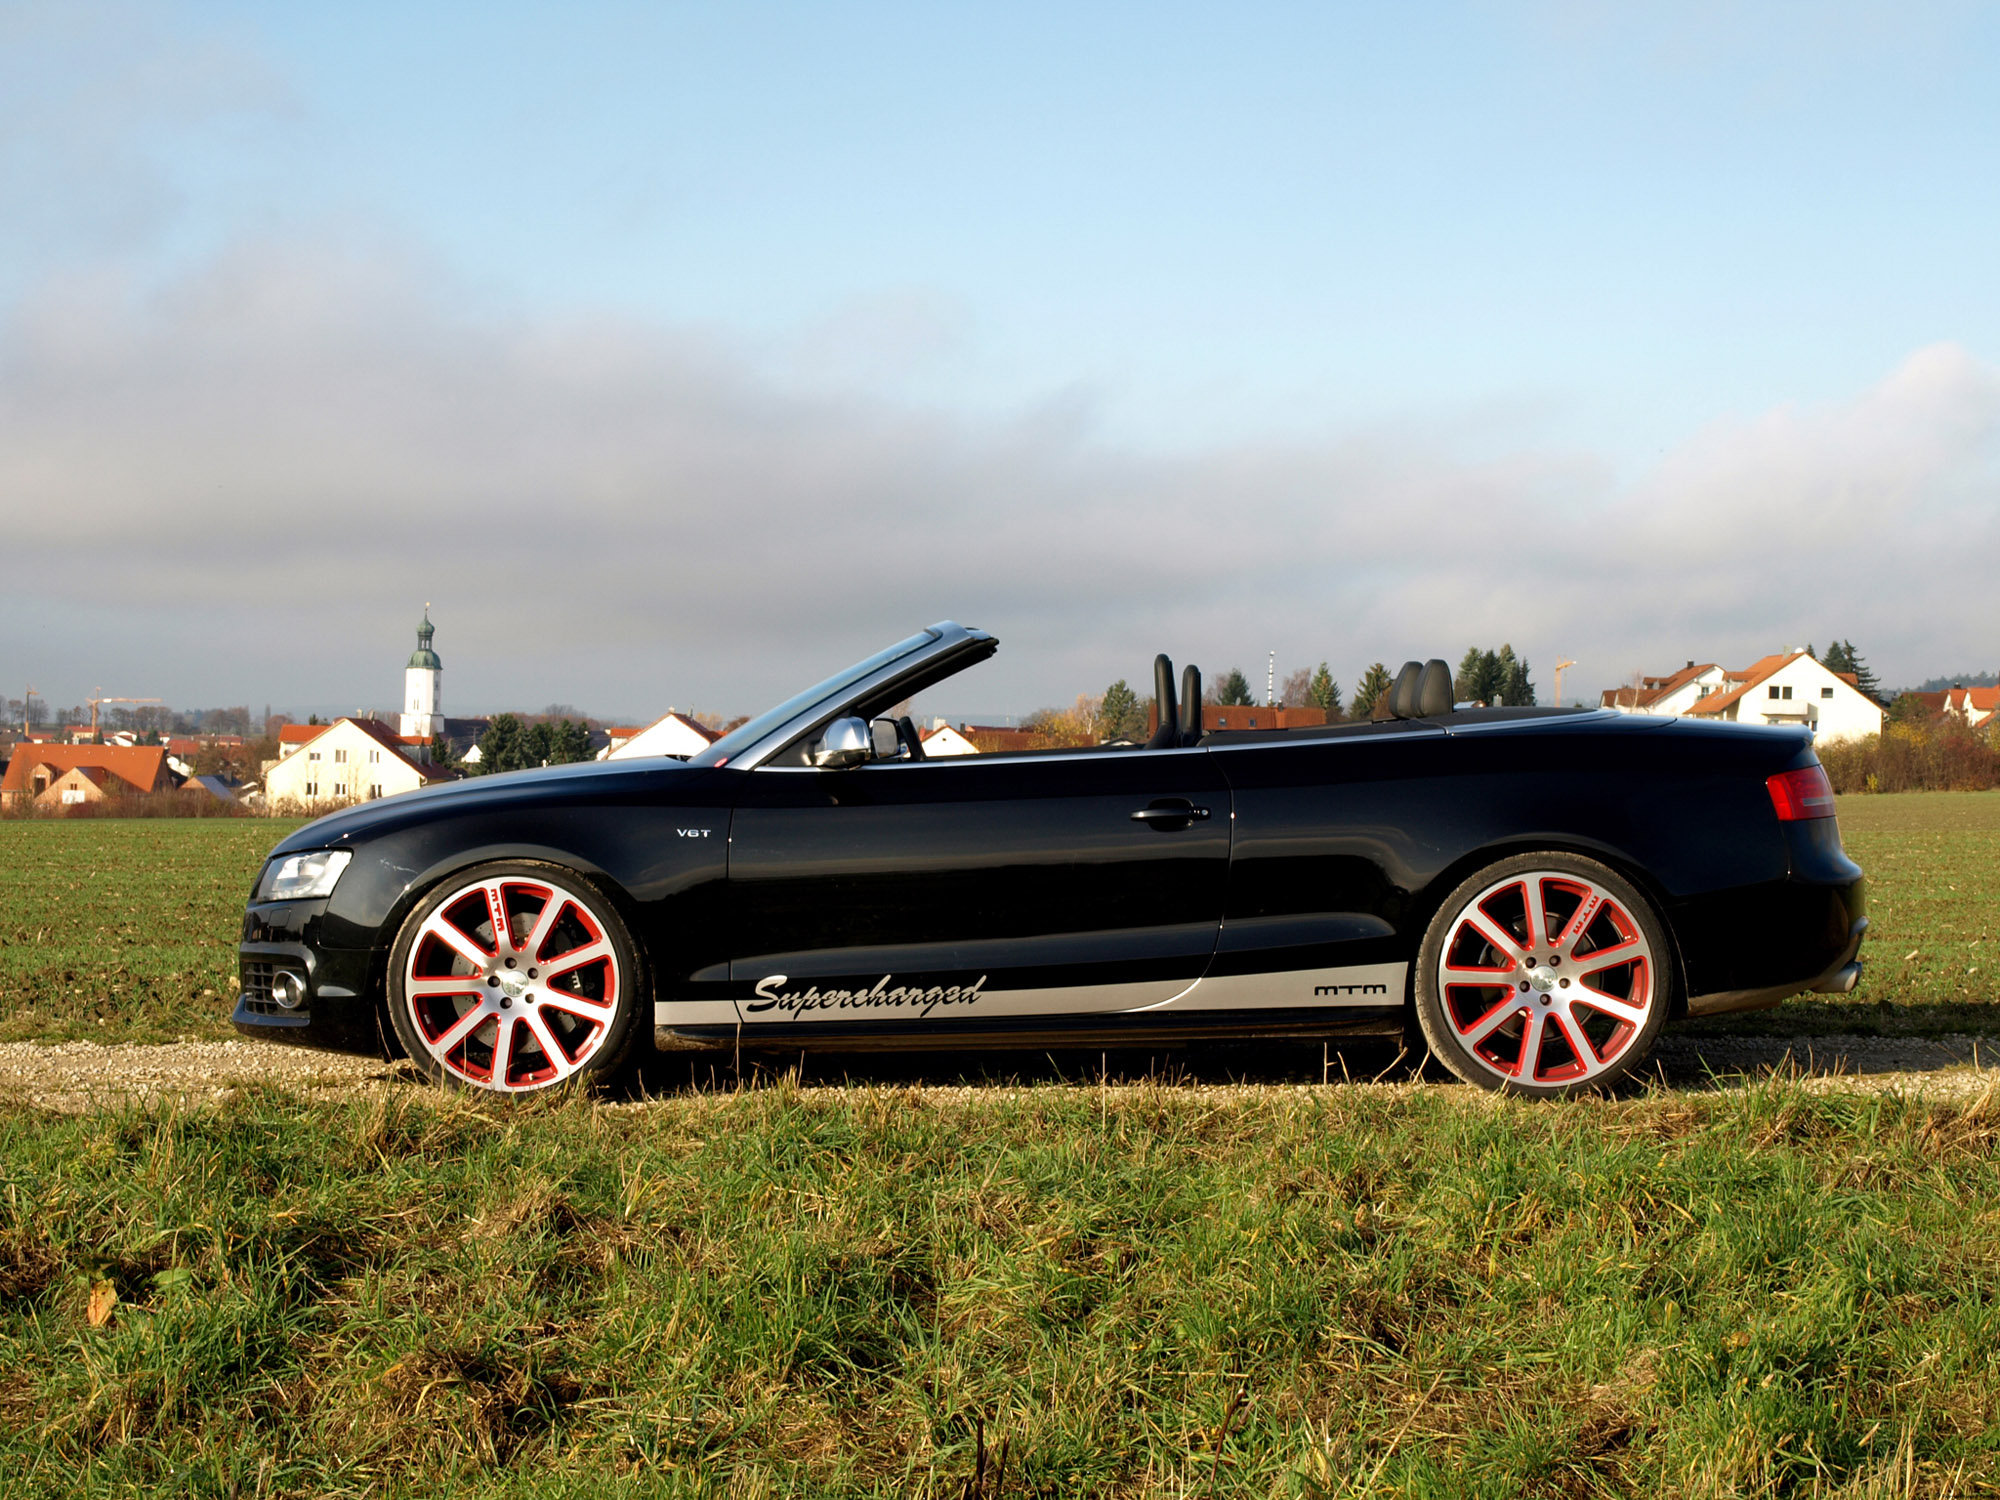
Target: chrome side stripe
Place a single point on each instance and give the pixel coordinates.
(804, 1001)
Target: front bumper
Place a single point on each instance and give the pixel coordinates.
(336, 1010)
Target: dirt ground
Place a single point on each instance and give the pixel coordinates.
(79, 1076)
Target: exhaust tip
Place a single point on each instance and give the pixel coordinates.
(288, 989)
(1841, 981)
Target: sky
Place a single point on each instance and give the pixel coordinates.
(680, 354)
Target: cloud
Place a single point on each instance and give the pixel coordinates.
(261, 471)
(95, 98)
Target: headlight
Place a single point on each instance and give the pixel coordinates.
(295, 877)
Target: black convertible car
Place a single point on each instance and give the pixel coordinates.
(1538, 890)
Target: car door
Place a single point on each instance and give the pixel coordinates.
(946, 894)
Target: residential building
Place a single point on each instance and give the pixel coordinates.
(1975, 705)
(673, 735)
(349, 760)
(1788, 687)
(1673, 694)
(112, 770)
(942, 740)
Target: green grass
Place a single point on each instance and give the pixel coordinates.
(1142, 1291)
(124, 929)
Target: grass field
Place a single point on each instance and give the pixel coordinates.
(125, 930)
(1139, 1291)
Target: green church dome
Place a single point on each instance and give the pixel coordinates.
(423, 656)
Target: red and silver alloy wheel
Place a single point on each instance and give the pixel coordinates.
(512, 982)
(1543, 977)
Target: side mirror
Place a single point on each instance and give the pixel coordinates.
(843, 744)
(883, 739)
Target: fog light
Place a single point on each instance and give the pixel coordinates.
(288, 989)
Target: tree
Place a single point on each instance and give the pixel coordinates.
(1369, 690)
(501, 748)
(440, 749)
(569, 743)
(1515, 690)
(1911, 709)
(1852, 661)
(1324, 692)
(1493, 678)
(1837, 658)
(1481, 676)
(1065, 728)
(1293, 691)
(1123, 715)
(1232, 689)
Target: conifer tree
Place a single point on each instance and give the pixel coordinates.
(1369, 690)
(1324, 692)
(1232, 690)
(1513, 688)
(1122, 716)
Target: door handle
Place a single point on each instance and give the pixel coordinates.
(1166, 814)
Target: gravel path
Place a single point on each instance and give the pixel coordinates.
(78, 1076)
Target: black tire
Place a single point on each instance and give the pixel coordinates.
(1483, 1003)
(564, 1019)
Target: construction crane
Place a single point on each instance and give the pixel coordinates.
(1559, 680)
(95, 701)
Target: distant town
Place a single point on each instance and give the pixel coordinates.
(125, 754)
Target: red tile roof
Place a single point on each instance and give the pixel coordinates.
(141, 767)
(1743, 681)
(1652, 689)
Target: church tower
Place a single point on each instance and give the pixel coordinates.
(422, 684)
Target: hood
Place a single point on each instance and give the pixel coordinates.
(588, 780)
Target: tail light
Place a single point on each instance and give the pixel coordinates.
(1804, 793)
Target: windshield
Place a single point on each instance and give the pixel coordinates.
(744, 736)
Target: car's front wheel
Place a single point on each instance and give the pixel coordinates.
(1543, 974)
(514, 977)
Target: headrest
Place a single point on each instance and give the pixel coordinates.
(1420, 691)
(1434, 690)
(1167, 733)
(1190, 704)
(1402, 693)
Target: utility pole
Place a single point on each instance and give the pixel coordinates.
(1559, 680)
(1271, 682)
(28, 712)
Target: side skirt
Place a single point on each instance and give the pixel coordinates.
(1090, 1031)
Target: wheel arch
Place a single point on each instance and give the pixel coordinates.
(457, 863)
(1425, 905)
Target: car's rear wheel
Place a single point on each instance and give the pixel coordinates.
(1543, 974)
(513, 978)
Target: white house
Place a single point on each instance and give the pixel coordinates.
(349, 760)
(1976, 706)
(1790, 687)
(1675, 693)
(673, 735)
(941, 739)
